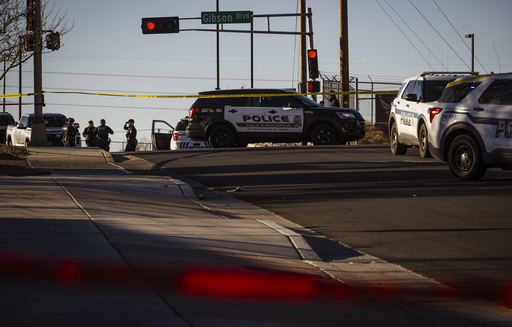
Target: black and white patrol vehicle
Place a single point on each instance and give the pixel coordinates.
(472, 125)
(227, 118)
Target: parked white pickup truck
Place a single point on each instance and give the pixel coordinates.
(19, 135)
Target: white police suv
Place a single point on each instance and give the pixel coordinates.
(409, 121)
(472, 125)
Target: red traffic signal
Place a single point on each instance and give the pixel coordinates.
(313, 86)
(313, 64)
(309, 87)
(159, 25)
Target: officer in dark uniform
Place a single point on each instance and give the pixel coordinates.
(69, 133)
(91, 139)
(102, 132)
(131, 135)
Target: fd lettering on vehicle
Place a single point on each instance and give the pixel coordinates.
(505, 128)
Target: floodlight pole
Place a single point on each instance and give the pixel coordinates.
(472, 37)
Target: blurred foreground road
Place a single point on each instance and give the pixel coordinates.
(403, 209)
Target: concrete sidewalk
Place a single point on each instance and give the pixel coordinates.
(92, 244)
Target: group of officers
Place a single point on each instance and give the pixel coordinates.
(98, 136)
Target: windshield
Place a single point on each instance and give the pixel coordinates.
(307, 101)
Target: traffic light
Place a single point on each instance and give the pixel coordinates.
(53, 41)
(309, 87)
(313, 63)
(160, 25)
(313, 86)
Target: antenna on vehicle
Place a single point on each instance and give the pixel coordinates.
(499, 65)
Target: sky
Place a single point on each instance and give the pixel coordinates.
(389, 40)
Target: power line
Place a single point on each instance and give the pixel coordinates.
(467, 46)
(416, 35)
(439, 34)
(405, 35)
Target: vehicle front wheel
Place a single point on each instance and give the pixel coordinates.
(221, 137)
(423, 140)
(396, 147)
(465, 158)
(324, 134)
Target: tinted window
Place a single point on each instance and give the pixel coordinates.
(6, 120)
(458, 92)
(434, 89)
(284, 101)
(499, 92)
(409, 89)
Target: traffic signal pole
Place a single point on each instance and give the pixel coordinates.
(38, 135)
(303, 47)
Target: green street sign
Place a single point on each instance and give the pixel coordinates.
(225, 17)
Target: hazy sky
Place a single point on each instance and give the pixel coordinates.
(107, 52)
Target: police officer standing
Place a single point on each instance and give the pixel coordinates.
(90, 134)
(102, 132)
(69, 133)
(131, 135)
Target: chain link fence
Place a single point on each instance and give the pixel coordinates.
(374, 108)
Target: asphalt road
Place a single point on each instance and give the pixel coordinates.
(404, 209)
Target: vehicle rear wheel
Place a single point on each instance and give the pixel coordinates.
(221, 137)
(465, 158)
(324, 134)
(423, 140)
(396, 147)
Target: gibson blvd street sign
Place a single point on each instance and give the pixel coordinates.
(225, 17)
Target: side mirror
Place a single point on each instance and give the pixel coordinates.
(411, 97)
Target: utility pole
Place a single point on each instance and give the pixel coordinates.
(38, 134)
(303, 49)
(344, 76)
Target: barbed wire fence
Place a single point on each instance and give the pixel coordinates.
(373, 108)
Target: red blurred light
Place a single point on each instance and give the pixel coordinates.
(150, 26)
(310, 87)
(247, 284)
(312, 54)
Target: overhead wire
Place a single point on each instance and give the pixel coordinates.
(439, 34)
(444, 67)
(457, 32)
(405, 35)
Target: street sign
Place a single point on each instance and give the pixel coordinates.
(226, 17)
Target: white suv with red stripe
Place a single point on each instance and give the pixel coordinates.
(409, 121)
(472, 125)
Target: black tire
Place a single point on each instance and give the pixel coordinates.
(221, 137)
(465, 158)
(423, 141)
(324, 134)
(396, 147)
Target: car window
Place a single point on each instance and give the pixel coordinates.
(57, 121)
(499, 92)
(434, 89)
(409, 89)
(283, 102)
(6, 120)
(457, 92)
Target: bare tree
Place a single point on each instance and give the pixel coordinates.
(15, 31)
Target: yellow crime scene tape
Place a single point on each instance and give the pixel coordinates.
(196, 96)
